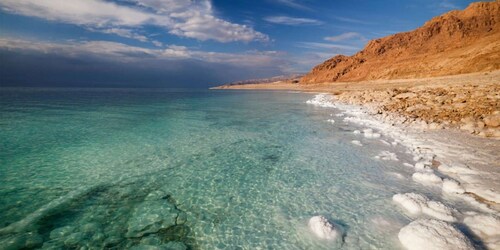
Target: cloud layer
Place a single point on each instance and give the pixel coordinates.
(191, 19)
(294, 21)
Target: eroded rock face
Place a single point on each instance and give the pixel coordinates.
(454, 43)
(154, 214)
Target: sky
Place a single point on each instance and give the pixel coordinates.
(189, 43)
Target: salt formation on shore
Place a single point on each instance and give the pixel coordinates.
(487, 227)
(440, 160)
(417, 204)
(387, 156)
(427, 234)
(322, 228)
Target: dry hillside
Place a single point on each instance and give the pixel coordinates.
(454, 43)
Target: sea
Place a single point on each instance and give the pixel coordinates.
(192, 169)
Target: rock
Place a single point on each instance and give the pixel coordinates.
(173, 245)
(322, 228)
(492, 120)
(487, 227)
(61, 232)
(21, 241)
(417, 204)
(452, 186)
(150, 216)
(425, 234)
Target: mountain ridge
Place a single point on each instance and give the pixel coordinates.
(456, 42)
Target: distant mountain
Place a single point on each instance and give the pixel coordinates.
(283, 78)
(456, 42)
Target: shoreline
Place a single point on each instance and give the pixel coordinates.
(469, 102)
(454, 156)
(456, 165)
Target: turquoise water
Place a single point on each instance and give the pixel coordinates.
(122, 168)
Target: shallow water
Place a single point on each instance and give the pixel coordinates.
(244, 170)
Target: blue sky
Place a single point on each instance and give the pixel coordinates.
(182, 43)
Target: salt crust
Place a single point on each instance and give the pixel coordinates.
(417, 204)
(426, 234)
(408, 136)
(323, 229)
(387, 156)
(487, 227)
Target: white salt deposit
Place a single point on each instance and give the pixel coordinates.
(452, 187)
(356, 132)
(322, 228)
(427, 178)
(368, 133)
(356, 142)
(322, 100)
(387, 156)
(385, 142)
(451, 149)
(417, 204)
(424, 234)
(406, 164)
(487, 227)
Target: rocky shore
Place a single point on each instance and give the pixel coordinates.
(472, 108)
(469, 102)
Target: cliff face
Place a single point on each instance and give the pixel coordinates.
(454, 43)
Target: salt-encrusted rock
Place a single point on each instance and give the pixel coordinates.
(387, 156)
(417, 204)
(320, 226)
(152, 215)
(424, 234)
(368, 133)
(487, 227)
(427, 178)
(452, 186)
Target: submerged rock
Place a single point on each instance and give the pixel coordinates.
(322, 228)
(153, 214)
(21, 241)
(173, 245)
(427, 234)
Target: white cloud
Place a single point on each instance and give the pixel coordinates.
(126, 53)
(294, 4)
(286, 20)
(315, 45)
(351, 20)
(346, 36)
(124, 33)
(448, 5)
(192, 19)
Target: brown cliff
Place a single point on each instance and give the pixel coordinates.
(456, 42)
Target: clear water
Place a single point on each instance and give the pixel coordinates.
(247, 169)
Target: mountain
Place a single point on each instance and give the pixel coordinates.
(456, 42)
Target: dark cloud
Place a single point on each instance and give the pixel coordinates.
(36, 69)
